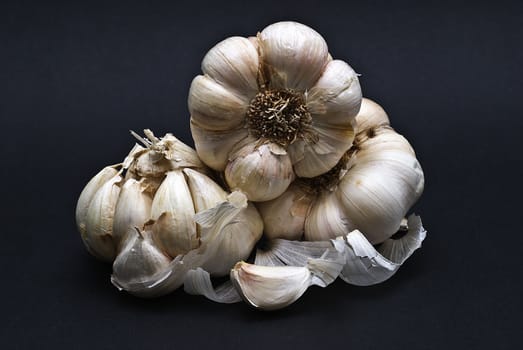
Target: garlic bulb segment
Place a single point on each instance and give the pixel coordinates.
(233, 63)
(380, 187)
(284, 216)
(138, 260)
(371, 115)
(99, 221)
(133, 209)
(213, 106)
(295, 54)
(214, 147)
(172, 209)
(314, 158)
(367, 266)
(326, 220)
(229, 232)
(335, 98)
(270, 287)
(262, 172)
(88, 193)
(302, 102)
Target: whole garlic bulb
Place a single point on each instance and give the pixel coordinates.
(273, 107)
(144, 215)
(371, 189)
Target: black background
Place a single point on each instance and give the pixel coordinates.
(75, 77)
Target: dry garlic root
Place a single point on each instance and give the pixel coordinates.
(273, 107)
(157, 215)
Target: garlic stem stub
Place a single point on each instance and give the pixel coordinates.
(273, 107)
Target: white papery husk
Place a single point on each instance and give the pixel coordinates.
(278, 277)
(283, 272)
(284, 56)
(366, 265)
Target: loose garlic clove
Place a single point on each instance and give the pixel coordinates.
(270, 287)
(326, 220)
(172, 209)
(213, 106)
(88, 193)
(262, 172)
(99, 221)
(133, 209)
(295, 53)
(284, 216)
(233, 63)
(138, 260)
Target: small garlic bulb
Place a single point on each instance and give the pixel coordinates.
(273, 107)
(143, 215)
(371, 189)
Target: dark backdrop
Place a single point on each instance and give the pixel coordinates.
(76, 77)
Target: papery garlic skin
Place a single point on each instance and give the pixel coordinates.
(139, 259)
(372, 190)
(279, 88)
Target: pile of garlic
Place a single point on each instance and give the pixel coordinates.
(286, 148)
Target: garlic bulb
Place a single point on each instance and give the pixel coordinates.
(371, 189)
(273, 107)
(160, 216)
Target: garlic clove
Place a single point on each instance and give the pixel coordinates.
(132, 210)
(88, 193)
(383, 182)
(99, 221)
(172, 209)
(262, 173)
(316, 157)
(325, 220)
(233, 63)
(284, 216)
(367, 266)
(214, 107)
(294, 55)
(275, 287)
(138, 260)
(335, 99)
(204, 191)
(371, 115)
(270, 287)
(214, 147)
(229, 232)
